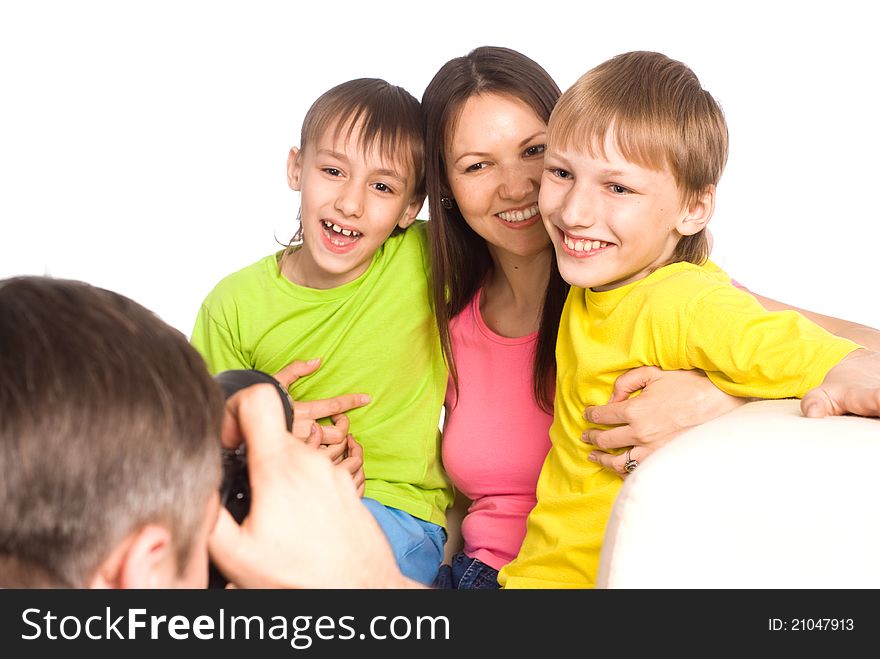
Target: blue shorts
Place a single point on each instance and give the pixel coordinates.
(467, 573)
(417, 544)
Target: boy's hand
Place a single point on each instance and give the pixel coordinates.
(851, 387)
(331, 437)
(306, 527)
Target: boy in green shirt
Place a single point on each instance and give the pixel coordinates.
(355, 293)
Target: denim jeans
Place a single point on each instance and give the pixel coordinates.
(417, 544)
(467, 573)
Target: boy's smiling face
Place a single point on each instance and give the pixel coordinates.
(613, 222)
(351, 202)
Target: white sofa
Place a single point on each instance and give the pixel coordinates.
(759, 498)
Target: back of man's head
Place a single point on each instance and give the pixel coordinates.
(109, 421)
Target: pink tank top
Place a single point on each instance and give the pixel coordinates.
(496, 437)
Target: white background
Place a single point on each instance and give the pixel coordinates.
(143, 144)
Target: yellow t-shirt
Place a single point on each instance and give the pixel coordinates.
(682, 316)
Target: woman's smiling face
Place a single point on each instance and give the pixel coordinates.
(494, 161)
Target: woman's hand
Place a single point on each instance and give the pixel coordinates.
(669, 403)
(353, 464)
(333, 437)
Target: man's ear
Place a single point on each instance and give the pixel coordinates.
(411, 212)
(144, 559)
(698, 214)
(294, 168)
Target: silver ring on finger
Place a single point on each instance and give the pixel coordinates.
(631, 463)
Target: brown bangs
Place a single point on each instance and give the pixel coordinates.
(389, 120)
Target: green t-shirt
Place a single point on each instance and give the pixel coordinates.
(374, 335)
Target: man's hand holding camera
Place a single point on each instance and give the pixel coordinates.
(294, 491)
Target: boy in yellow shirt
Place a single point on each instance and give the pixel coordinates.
(635, 150)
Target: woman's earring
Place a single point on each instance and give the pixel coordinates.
(446, 202)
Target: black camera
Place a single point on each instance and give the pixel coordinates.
(235, 489)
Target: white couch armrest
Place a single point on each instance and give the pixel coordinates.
(762, 497)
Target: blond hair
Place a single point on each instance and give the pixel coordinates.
(659, 116)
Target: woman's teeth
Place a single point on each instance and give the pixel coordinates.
(519, 216)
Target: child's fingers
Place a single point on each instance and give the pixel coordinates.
(827, 400)
(816, 403)
(863, 402)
